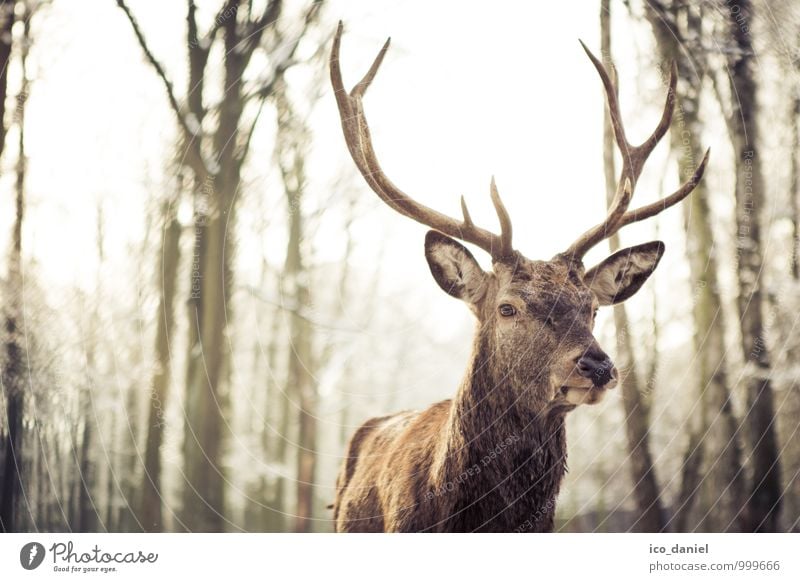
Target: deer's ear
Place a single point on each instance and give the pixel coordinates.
(623, 273)
(454, 268)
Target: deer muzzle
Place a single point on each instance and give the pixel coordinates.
(596, 366)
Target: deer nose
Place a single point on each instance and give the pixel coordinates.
(596, 366)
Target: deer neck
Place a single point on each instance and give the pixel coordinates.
(499, 454)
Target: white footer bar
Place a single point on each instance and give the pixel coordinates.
(420, 558)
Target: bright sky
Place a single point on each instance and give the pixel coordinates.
(465, 93)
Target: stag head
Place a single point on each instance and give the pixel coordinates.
(536, 317)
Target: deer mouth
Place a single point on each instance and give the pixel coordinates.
(586, 394)
(589, 381)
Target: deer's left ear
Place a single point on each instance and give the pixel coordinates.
(454, 268)
(623, 273)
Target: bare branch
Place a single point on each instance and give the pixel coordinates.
(191, 134)
(226, 11)
(287, 59)
(268, 86)
(246, 147)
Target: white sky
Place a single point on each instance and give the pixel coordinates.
(466, 92)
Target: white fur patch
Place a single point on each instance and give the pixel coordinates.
(578, 396)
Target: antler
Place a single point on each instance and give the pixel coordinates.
(633, 159)
(359, 142)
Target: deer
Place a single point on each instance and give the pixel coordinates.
(493, 457)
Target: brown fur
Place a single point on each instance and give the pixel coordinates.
(493, 458)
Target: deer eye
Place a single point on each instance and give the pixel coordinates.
(507, 310)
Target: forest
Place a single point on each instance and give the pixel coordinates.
(202, 300)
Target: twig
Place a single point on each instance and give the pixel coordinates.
(191, 136)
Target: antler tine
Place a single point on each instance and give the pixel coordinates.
(666, 115)
(504, 218)
(359, 143)
(612, 98)
(347, 106)
(654, 208)
(362, 86)
(633, 160)
(465, 212)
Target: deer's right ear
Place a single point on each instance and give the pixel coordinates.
(623, 273)
(454, 268)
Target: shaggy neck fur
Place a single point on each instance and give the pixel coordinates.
(501, 463)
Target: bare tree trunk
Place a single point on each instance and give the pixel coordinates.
(204, 497)
(765, 492)
(789, 409)
(202, 493)
(344, 395)
(204, 501)
(15, 362)
(129, 478)
(87, 511)
(204, 437)
(691, 481)
(113, 471)
(259, 512)
(195, 389)
(73, 477)
(11, 486)
(645, 485)
(794, 187)
(292, 142)
(150, 505)
(7, 19)
(88, 500)
(712, 492)
(62, 500)
(275, 445)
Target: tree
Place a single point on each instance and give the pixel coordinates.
(765, 491)
(216, 154)
(15, 360)
(293, 141)
(7, 19)
(149, 513)
(712, 492)
(645, 483)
